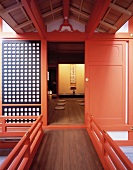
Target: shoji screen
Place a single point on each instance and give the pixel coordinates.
(21, 77)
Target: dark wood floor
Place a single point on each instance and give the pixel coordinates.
(66, 150)
(72, 114)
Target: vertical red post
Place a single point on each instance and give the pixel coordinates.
(0, 24)
(86, 83)
(0, 69)
(44, 81)
(3, 125)
(130, 87)
(130, 79)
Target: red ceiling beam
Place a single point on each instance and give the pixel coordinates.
(66, 8)
(0, 24)
(33, 11)
(97, 14)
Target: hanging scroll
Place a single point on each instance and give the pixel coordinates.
(73, 75)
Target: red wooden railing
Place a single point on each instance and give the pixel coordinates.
(109, 152)
(11, 129)
(23, 153)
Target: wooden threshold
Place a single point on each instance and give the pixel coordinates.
(61, 126)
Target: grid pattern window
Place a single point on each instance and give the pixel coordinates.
(21, 72)
(21, 111)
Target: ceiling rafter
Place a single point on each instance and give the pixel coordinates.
(27, 17)
(79, 12)
(54, 11)
(122, 19)
(35, 15)
(9, 19)
(66, 8)
(100, 30)
(43, 15)
(56, 19)
(83, 9)
(108, 25)
(14, 7)
(11, 8)
(83, 22)
(31, 30)
(25, 13)
(107, 12)
(105, 15)
(23, 10)
(81, 3)
(120, 9)
(51, 9)
(97, 14)
(23, 24)
(117, 8)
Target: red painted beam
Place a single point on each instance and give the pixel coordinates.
(34, 13)
(0, 24)
(66, 8)
(97, 14)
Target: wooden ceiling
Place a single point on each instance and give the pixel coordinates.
(96, 15)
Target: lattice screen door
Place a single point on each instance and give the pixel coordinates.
(21, 78)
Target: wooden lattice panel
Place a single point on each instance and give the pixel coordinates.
(21, 72)
(21, 111)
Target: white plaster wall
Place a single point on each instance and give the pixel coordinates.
(124, 28)
(56, 25)
(77, 25)
(6, 27)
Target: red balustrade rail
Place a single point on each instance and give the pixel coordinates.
(23, 153)
(109, 152)
(11, 129)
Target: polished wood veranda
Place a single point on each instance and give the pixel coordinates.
(73, 112)
(66, 150)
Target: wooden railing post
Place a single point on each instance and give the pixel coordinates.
(103, 144)
(109, 152)
(130, 134)
(104, 152)
(27, 155)
(91, 117)
(3, 125)
(23, 153)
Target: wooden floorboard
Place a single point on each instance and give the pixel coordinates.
(72, 114)
(66, 150)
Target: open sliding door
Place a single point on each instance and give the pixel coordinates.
(105, 84)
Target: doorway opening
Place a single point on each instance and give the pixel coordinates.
(66, 83)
